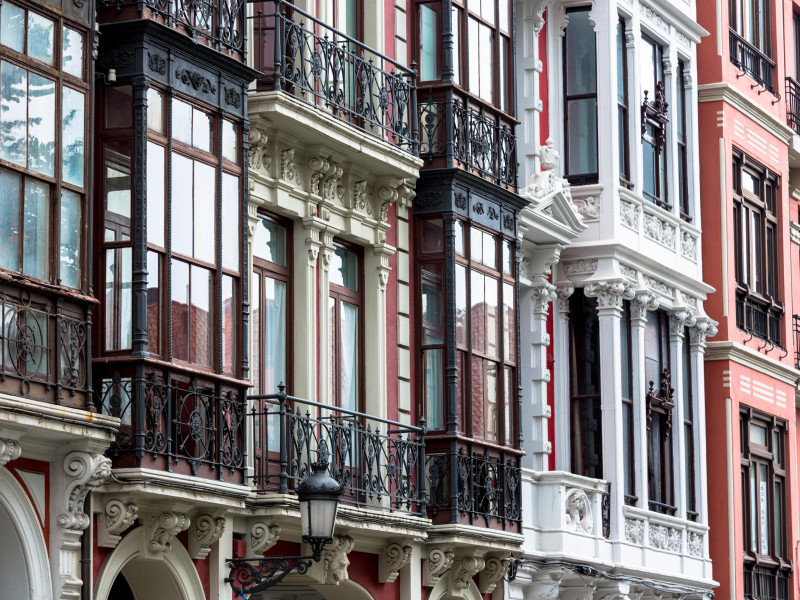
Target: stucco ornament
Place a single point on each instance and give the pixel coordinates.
(9, 450)
(495, 570)
(164, 528)
(578, 512)
(263, 536)
(440, 559)
(464, 570)
(118, 516)
(395, 556)
(206, 532)
(335, 561)
(610, 294)
(86, 471)
(634, 531)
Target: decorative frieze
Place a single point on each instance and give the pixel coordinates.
(662, 537)
(658, 286)
(580, 267)
(694, 543)
(688, 246)
(630, 214)
(288, 167)
(634, 531)
(258, 158)
(659, 230)
(588, 207)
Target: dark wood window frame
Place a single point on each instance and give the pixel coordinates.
(654, 129)
(627, 404)
(623, 104)
(683, 150)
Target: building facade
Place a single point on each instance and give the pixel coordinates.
(748, 109)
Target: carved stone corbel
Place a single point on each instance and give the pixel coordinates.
(288, 167)
(609, 294)
(644, 302)
(464, 569)
(395, 556)
(163, 529)
(318, 166)
(334, 560)
(542, 296)
(679, 320)
(263, 536)
(206, 532)
(439, 561)
(704, 327)
(362, 199)
(9, 450)
(564, 292)
(258, 159)
(493, 573)
(389, 191)
(118, 516)
(86, 471)
(332, 188)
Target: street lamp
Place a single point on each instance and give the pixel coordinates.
(319, 500)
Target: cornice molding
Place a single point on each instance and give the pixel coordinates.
(733, 351)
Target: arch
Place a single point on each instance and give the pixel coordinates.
(25, 552)
(444, 590)
(346, 590)
(174, 576)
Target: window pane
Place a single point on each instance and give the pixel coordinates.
(269, 243)
(155, 195)
(580, 57)
(349, 356)
(432, 308)
(153, 313)
(509, 323)
(753, 511)
(779, 524)
(181, 204)
(229, 142)
(434, 388)
(460, 238)
(461, 305)
(489, 250)
(201, 319)
(179, 296)
(205, 185)
(486, 63)
(10, 226)
(627, 447)
(41, 124)
(456, 26)
(228, 325)
(627, 364)
(502, 8)
(649, 167)
(274, 347)
(476, 245)
(758, 434)
(13, 112)
(36, 243)
(510, 393)
(648, 56)
(119, 106)
(487, 10)
(478, 383)
(762, 510)
(201, 130)
(582, 136)
(431, 236)
(256, 339)
(490, 402)
(230, 222)
(477, 313)
(181, 121)
(72, 52)
(502, 75)
(70, 239)
(72, 136)
(12, 26)
(492, 324)
(155, 110)
(118, 193)
(344, 269)
(118, 306)
(41, 33)
(429, 52)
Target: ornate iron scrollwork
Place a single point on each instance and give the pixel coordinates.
(661, 400)
(654, 113)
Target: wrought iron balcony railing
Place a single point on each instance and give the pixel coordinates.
(174, 422)
(44, 348)
(793, 104)
(766, 582)
(218, 23)
(752, 61)
(796, 331)
(759, 318)
(475, 485)
(333, 72)
(379, 462)
(470, 136)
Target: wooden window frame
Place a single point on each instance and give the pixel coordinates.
(623, 111)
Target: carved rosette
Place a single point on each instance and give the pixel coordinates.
(206, 532)
(9, 450)
(118, 516)
(86, 471)
(164, 528)
(335, 561)
(395, 556)
(610, 294)
(464, 570)
(493, 573)
(263, 536)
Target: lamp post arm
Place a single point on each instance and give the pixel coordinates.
(253, 575)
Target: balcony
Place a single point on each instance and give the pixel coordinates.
(751, 61)
(793, 104)
(174, 421)
(321, 66)
(760, 318)
(377, 461)
(766, 581)
(474, 485)
(218, 24)
(44, 348)
(462, 132)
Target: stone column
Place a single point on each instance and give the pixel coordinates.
(610, 295)
(376, 268)
(306, 257)
(561, 373)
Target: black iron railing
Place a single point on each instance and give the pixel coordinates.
(218, 23)
(44, 349)
(796, 331)
(793, 104)
(378, 462)
(752, 61)
(326, 68)
(759, 318)
(176, 423)
(474, 485)
(479, 140)
(766, 582)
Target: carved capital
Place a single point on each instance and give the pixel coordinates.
(206, 532)
(9, 450)
(610, 294)
(704, 327)
(335, 561)
(439, 561)
(644, 302)
(164, 528)
(496, 569)
(679, 320)
(395, 556)
(263, 536)
(464, 570)
(564, 291)
(118, 516)
(85, 471)
(542, 296)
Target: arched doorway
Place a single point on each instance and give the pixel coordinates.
(347, 590)
(128, 574)
(23, 549)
